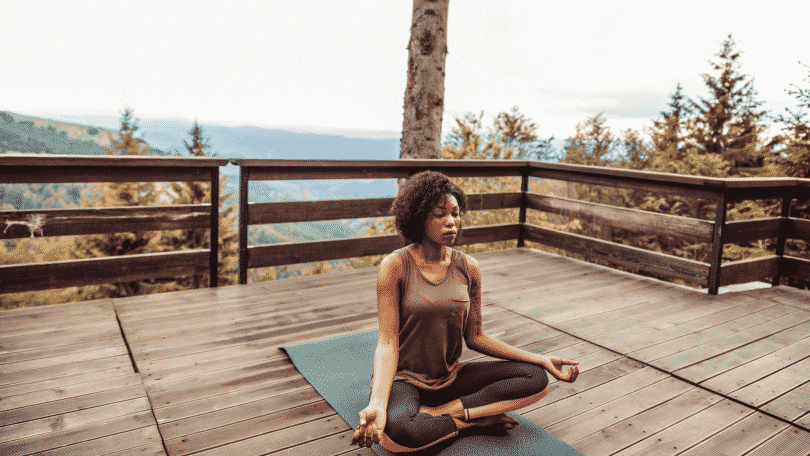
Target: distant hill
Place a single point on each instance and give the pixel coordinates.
(34, 135)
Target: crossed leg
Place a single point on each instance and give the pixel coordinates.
(480, 396)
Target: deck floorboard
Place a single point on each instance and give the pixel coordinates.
(665, 370)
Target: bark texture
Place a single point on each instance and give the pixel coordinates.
(424, 93)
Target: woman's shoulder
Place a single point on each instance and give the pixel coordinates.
(393, 265)
(471, 264)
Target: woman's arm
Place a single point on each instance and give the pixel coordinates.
(485, 344)
(386, 356)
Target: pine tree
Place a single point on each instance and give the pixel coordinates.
(669, 134)
(199, 193)
(729, 122)
(119, 194)
(593, 143)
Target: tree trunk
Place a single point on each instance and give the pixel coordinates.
(424, 93)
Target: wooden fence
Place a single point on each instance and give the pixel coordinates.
(720, 191)
(71, 169)
(25, 169)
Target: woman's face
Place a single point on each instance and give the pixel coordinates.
(444, 223)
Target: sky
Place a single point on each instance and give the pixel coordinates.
(341, 65)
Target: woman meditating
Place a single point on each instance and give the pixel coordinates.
(429, 299)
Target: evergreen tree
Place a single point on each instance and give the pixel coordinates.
(200, 193)
(670, 133)
(593, 144)
(119, 194)
(729, 122)
(518, 133)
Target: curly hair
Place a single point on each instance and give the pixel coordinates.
(417, 198)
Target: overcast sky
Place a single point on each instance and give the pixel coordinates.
(341, 64)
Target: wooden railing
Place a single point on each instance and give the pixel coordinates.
(21, 169)
(711, 275)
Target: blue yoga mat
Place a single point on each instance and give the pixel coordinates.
(340, 370)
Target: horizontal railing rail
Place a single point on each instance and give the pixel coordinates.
(37, 169)
(720, 191)
(716, 233)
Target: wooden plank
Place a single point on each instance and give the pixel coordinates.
(791, 405)
(293, 388)
(126, 161)
(61, 350)
(624, 218)
(66, 391)
(70, 336)
(61, 274)
(740, 437)
(179, 429)
(667, 184)
(595, 419)
(775, 384)
(575, 406)
(775, 317)
(307, 211)
(260, 169)
(597, 375)
(304, 252)
(64, 370)
(332, 445)
(71, 404)
(594, 249)
(638, 427)
(115, 173)
(687, 433)
(742, 231)
(763, 354)
(41, 363)
(728, 343)
(70, 222)
(142, 439)
(72, 420)
(240, 436)
(750, 270)
(792, 441)
(121, 370)
(91, 431)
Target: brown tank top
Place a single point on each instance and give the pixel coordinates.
(432, 320)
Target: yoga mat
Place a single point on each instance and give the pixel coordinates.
(340, 370)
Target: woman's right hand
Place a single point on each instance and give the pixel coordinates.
(371, 427)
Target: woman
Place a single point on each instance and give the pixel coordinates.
(429, 298)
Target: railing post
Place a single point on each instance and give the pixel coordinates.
(717, 242)
(213, 273)
(524, 187)
(244, 177)
(787, 201)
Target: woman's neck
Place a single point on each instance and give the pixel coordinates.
(433, 253)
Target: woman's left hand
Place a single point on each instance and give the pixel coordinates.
(554, 366)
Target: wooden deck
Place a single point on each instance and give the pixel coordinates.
(665, 370)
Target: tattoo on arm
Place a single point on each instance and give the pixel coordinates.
(475, 309)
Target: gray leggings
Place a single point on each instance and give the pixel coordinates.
(477, 384)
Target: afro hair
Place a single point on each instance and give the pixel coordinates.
(417, 198)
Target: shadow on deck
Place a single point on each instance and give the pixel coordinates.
(665, 370)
